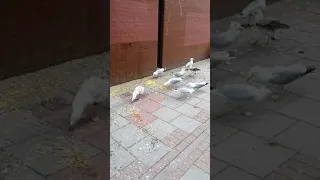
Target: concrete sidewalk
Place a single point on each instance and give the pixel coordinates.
(163, 135)
(34, 140)
(281, 139)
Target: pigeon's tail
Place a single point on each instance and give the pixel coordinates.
(310, 69)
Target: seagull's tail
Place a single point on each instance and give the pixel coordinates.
(80, 102)
(192, 91)
(310, 69)
(276, 24)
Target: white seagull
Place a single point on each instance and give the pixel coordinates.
(180, 73)
(189, 64)
(197, 85)
(172, 81)
(279, 75)
(184, 90)
(158, 72)
(93, 90)
(137, 91)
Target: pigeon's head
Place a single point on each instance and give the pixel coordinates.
(236, 26)
(254, 70)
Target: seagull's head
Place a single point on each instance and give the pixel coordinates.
(191, 59)
(183, 70)
(176, 90)
(254, 70)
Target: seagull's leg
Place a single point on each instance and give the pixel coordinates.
(273, 35)
(268, 42)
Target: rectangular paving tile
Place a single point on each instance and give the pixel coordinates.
(262, 123)
(119, 158)
(117, 121)
(141, 118)
(128, 135)
(185, 123)
(303, 109)
(148, 106)
(188, 110)
(234, 173)
(55, 148)
(216, 166)
(171, 102)
(149, 150)
(205, 105)
(160, 129)
(219, 133)
(195, 173)
(299, 85)
(20, 125)
(166, 114)
(302, 137)
(251, 154)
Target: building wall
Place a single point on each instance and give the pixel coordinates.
(36, 33)
(134, 36)
(223, 8)
(186, 31)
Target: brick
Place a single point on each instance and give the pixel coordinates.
(205, 167)
(197, 132)
(203, 146)
(195, 154)
(205, 158)
(190, 138)
(182, 146)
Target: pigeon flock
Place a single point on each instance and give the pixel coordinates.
(177, 78)
(253, 14)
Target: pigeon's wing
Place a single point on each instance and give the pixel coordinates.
(236, 93)
(285, 77)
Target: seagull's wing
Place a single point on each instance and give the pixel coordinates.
(284, 77)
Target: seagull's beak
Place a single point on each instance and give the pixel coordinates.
(249, 78)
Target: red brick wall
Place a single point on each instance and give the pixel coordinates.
(134, 39)
(186, 31)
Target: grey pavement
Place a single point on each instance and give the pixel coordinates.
(281, 138)
(164, 134)
(34, 140)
